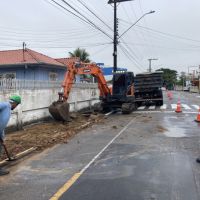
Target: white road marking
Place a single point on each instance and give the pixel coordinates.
(107, 114)
(186, 106)
(196, 106)
(160, 111)
(152, 107)
(173, 106)
(141, 108)
(88, 165)
(77, 175)
(163, 107)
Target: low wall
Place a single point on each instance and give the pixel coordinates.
(194, 89)
(178, 88)
(35, 102)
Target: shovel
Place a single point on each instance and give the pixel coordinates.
(10, 158)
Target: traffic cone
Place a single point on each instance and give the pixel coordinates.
(170, 96)
(178, 107)
(198, 116)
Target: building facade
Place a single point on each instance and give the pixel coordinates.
(30, 65)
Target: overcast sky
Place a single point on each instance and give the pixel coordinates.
(171, 34)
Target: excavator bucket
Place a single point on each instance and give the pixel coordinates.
(60, 111)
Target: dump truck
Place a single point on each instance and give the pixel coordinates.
(148, 88)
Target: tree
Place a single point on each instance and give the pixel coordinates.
(169, 77)
(84, 57)
(182, 79)
(80, 53)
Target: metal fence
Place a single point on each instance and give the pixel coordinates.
(16, 84)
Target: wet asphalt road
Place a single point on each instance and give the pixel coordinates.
(153, 158)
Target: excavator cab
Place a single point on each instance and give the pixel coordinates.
(122, 92)
(121, 84)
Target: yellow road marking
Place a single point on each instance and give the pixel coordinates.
(75, 177)
(66, 186)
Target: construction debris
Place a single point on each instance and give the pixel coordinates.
(47, 134)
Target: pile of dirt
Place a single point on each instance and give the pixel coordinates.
(47, 134)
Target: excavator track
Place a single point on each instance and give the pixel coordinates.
(127, 108)
(101, 107)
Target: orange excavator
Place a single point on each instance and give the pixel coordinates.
(120, 96)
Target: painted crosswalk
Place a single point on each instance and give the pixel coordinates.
(163, 107)
(186, 106)
(141, 107)
(196, 106)
(173, 106)
(169, 107)
(152, 107)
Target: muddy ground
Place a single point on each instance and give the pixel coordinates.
(47, 134)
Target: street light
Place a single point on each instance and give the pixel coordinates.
(148, 13)
(115, 39)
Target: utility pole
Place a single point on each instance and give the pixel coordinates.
(24, 48)
(115, 39)
(150, 59)
(199, 79)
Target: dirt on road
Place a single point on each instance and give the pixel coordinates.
(47, 134)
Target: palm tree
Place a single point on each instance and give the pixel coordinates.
(84, 57)
(80, 53)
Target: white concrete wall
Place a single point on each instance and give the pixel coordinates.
(194, 89)
(35, 103)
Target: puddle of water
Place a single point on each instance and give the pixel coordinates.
(175, 132)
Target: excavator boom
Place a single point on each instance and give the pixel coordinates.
(60, 109)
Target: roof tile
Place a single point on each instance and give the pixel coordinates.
(20, 56)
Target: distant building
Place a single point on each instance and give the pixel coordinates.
(27, 64)
(30, 65)
(108, 71)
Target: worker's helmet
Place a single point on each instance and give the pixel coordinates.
(16, 99)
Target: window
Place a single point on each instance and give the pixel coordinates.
(10, 75)
(6, 80)
(53, 76)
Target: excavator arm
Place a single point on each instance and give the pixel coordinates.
(60, 109)
(84, 68)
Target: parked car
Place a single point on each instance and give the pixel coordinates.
(186, 89)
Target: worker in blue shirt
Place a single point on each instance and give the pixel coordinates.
(5, 113)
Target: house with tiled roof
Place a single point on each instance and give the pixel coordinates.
(30, 65)
(66, 61)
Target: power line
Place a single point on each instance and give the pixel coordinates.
(130, 57)
(162, 47)
(88, 20)
(124, 9)
(163, 33)
(144, 20)
(95, 14)
(70, 11)
(168, 34)
(81, 46)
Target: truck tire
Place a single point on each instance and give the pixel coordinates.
(159, 103)
(127, 108)
(101, 107)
